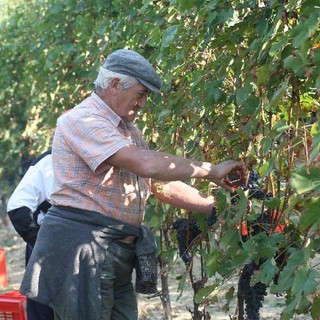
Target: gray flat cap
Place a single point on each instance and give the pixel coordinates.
(133, 64)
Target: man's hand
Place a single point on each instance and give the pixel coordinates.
(228, 168)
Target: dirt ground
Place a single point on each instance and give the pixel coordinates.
(149, 308)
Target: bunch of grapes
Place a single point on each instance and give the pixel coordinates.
(253, 296)
(212, 217)
(188, 230)
(257, 194)
(262, 223)
(253, 187)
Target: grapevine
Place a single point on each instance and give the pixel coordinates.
(253, 295)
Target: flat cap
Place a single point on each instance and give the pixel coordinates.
(131, 63)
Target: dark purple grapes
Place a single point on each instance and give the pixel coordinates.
(212, 217)
(253, 296)
(187, 231)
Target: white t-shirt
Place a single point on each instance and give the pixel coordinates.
(34, 188)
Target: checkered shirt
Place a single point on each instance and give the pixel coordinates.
(85, 138)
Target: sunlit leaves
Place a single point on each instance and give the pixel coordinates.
(239, 80)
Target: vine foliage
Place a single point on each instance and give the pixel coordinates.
(241, 79)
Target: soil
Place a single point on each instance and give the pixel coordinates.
(150, 308)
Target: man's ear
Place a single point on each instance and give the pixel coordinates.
(115, 85)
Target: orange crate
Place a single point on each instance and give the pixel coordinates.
(13, 306)
(3, 269)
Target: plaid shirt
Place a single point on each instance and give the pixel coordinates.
(85, 138)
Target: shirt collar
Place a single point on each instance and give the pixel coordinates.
(112, 116)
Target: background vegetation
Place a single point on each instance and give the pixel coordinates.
(241, 79)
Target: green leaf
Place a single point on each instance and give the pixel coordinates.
(304, 281)
(310, 216)
(229, 238)
(154, 217)
(315, 132)
(301, 37)
(169, 35)
(295, 63)
(278, 95)
(293, 200)
(268, 270)
(295, 260)
(203, 293)
(262, 74)
(267, 167)
(250, 106)
(266, 246)
(318, 82)
(211, 262)
(222, 201)
(190, 146)
(304, 284)
(272, 203)
(316, 57)
(241, 203)
(315, 143)
(266, 144)
(315, 309)
(243, 93)
(305, 29)
(279, 128)
(304, 180)
(240, 259)
(224, 15)
(230, 294)
(278, 46)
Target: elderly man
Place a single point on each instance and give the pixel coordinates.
(104, 172)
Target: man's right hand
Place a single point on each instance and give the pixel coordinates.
(230, 167)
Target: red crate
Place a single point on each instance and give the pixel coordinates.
(3, 269)
(13, 306)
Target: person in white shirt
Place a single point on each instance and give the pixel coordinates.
(26, 209)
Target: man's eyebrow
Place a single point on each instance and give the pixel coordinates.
(144, 90)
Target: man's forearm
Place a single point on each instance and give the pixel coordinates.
(167, 167)
(183, 196)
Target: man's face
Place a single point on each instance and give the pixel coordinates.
(130, 101)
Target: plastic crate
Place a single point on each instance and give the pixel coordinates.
(3, 269)
(13, 306)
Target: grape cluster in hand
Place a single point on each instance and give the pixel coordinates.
(253, 296)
